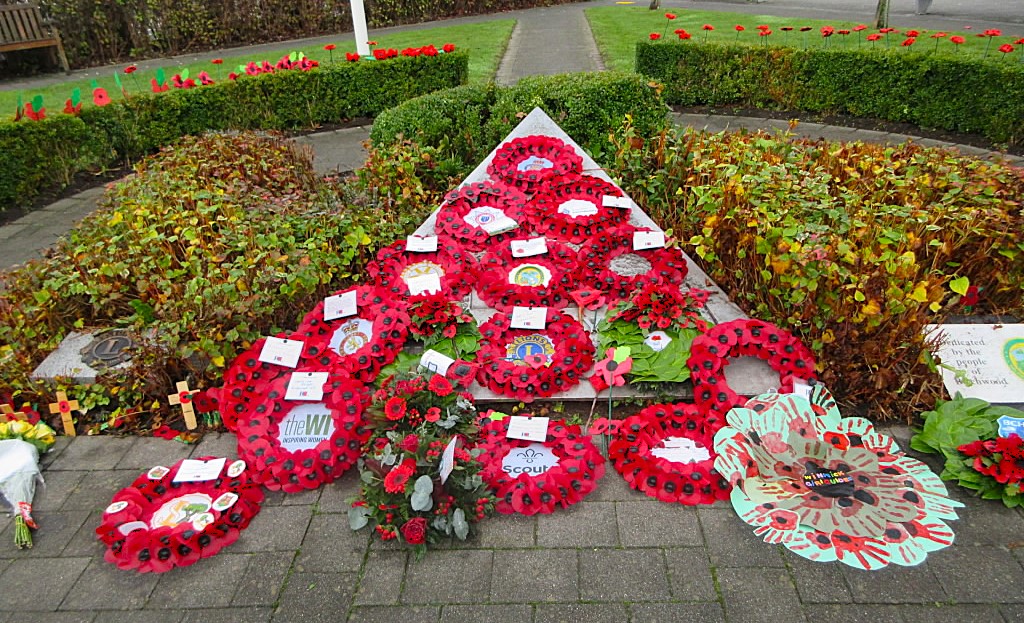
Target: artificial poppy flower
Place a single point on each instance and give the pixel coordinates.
(590, 300)
(603, 257)
(448, 48)
(504, 280)
(912, 33)
(131, 69)
(530, 162)
(428, 50)
(481, 214)
(708, 27)
(351, 56)
(440, 385)
(217, 61)
(433, 414)
(1006, 48)
(233, 76)
(654, 36)
(394, 267)
(970, 298)
(738, 28)
(35, 115)
(683, 35)
(957, 39)
(612, 370)
(100, 97)
(826, 31)
(70, 109)
(874, 37)
(908, 42)
(670, 16)
(394, 408)
(993, 32)
(805, 28)
(574, 211)
(205, 79)
(330, 47)
(859, 28)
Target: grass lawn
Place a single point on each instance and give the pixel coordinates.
(486, 43)
(618, 28)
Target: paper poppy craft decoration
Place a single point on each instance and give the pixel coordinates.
(156, 524)
(665, 452)
(481, 214)
(544, 280)
(532, 161)
(830, 488)
(526, 364)
(531, 477)
(396, 270)
(574, 211)
(610, 263)
(294, 445)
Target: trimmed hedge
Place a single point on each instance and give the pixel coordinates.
(961, 94)
(41, 155)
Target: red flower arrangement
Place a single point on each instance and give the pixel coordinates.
(395, 266)
(1001, 458)
(436, 314)
(535, 485)
(663, 306)
(574, 212)
(544, 280)
(469, 209)
(156, 524)
(597, 264)
(526, 364)
(532, 161)
(683, 433)
(448, 48)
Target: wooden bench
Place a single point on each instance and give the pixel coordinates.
(22, 28)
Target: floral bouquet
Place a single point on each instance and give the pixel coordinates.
(21, 443)
(438, 323)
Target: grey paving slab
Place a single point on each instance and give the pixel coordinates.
(104, 586)
(535, 576)
(588, 524)
(94, 453)
(689, 572)
(217, 444)
(58, 617)
(507, 531)
(381, 580)
(309, 497)
(642, 575)
(983, 573)
(84, 542)
(275, 529)
(146, 452)
(572, 49)
(612, 488)
(756, 595)
(45, 460)
(333, 497)
(852, 613)
(391, 614)
(97, 488)
(507, 613)
(140, 616)
(895, 585)
(264, 576)
(946, 613)
(449, 577)
(330, 545)
(211, 583)
(658, 525)
(56, 487)
(1012, 612)
(580, 613)
(228, 615)
(316, 598)
(817, 582)
(56, 529)
(731, 542)
(677, 613)
(33, 584)
(984, 522)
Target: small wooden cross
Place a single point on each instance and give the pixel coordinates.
(184, 398)
(64, 407)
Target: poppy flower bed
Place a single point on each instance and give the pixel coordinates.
(530, 162)
(536, 477)
(156, 524)
(598, 265)
(395, 267)
(469, 210)
(574, 211)
(545, 280)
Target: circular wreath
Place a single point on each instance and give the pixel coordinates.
(365, 342)
(450, 262)
(531, 161)
(552, 210)
(504, 280)
(460, 203)
(325, 443)
(690, 483)
(548, 361)
(156, 524)
(711, 352)
(575, 475)
(597, 254)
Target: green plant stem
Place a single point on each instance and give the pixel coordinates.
(22, 535)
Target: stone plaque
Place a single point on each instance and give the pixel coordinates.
(989, 356)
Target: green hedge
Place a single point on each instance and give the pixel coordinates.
(937, 91)
(43, 155)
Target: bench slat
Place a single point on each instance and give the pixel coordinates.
(22, 28)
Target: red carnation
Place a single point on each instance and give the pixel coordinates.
(410, 444)
(439, 385)
(448, 48)
(394, 408)
(415, 531)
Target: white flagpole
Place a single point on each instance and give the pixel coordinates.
(359, 26)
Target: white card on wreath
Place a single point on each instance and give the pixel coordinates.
(802, 389)
(421, 244)
(611, 201)
(529, 317)
(424, 284)
(499, 225)
(192, 470)
(528, 428)
(529, 247)
(306, 386)
(282, 352)
(448, 460)
(648, 240)
(340, 305)
(436, 362)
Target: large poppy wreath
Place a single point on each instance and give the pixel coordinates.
(532, 477)
(395, 267)
(467, 210)
(574, 211)
(665, 452)
(711, 352)
(366, 341)
(156, 524)
(526, 364)
(830, 488)
(531, 161)
(545, 280)
(609, 262)
(296, 445)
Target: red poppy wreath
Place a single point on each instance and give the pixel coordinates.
(711, 352)
(395, 267)
(156, 524)
(531, 161)
(531, 477)
(482, 213)
(574, 211)
(545, 280)
(609, 262)
(667, 452)
(526, 364)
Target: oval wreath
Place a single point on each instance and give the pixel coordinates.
(480, 202)
(366, 341)
(531, 161)
(394, 266)
(156, 524)
(526, 364)
(297, 445)
(504, 281)
(710, 353)
(574, 212)
(579, 466)
(596, 262)
(660, 476)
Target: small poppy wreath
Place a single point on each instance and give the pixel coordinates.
(394, 265)
(156, 524)
(295, 445)
(710, 353)
(365, 342)
(505, 281)
(480, 202)
(574, 211)
(530, 161)
(597, 255)
(575, 475)
(542, 373)
(690, 483)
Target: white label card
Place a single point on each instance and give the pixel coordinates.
(306, 386)
(192, 470)
(436, 362)
(499, 225)
(282, 352)
(611, 201)
(421, 244)
(448, 460)
(648, 240)
(530, 247)
(529, 317)
(424, 284)
(340, 305)
(528, 428)
(802, 389)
